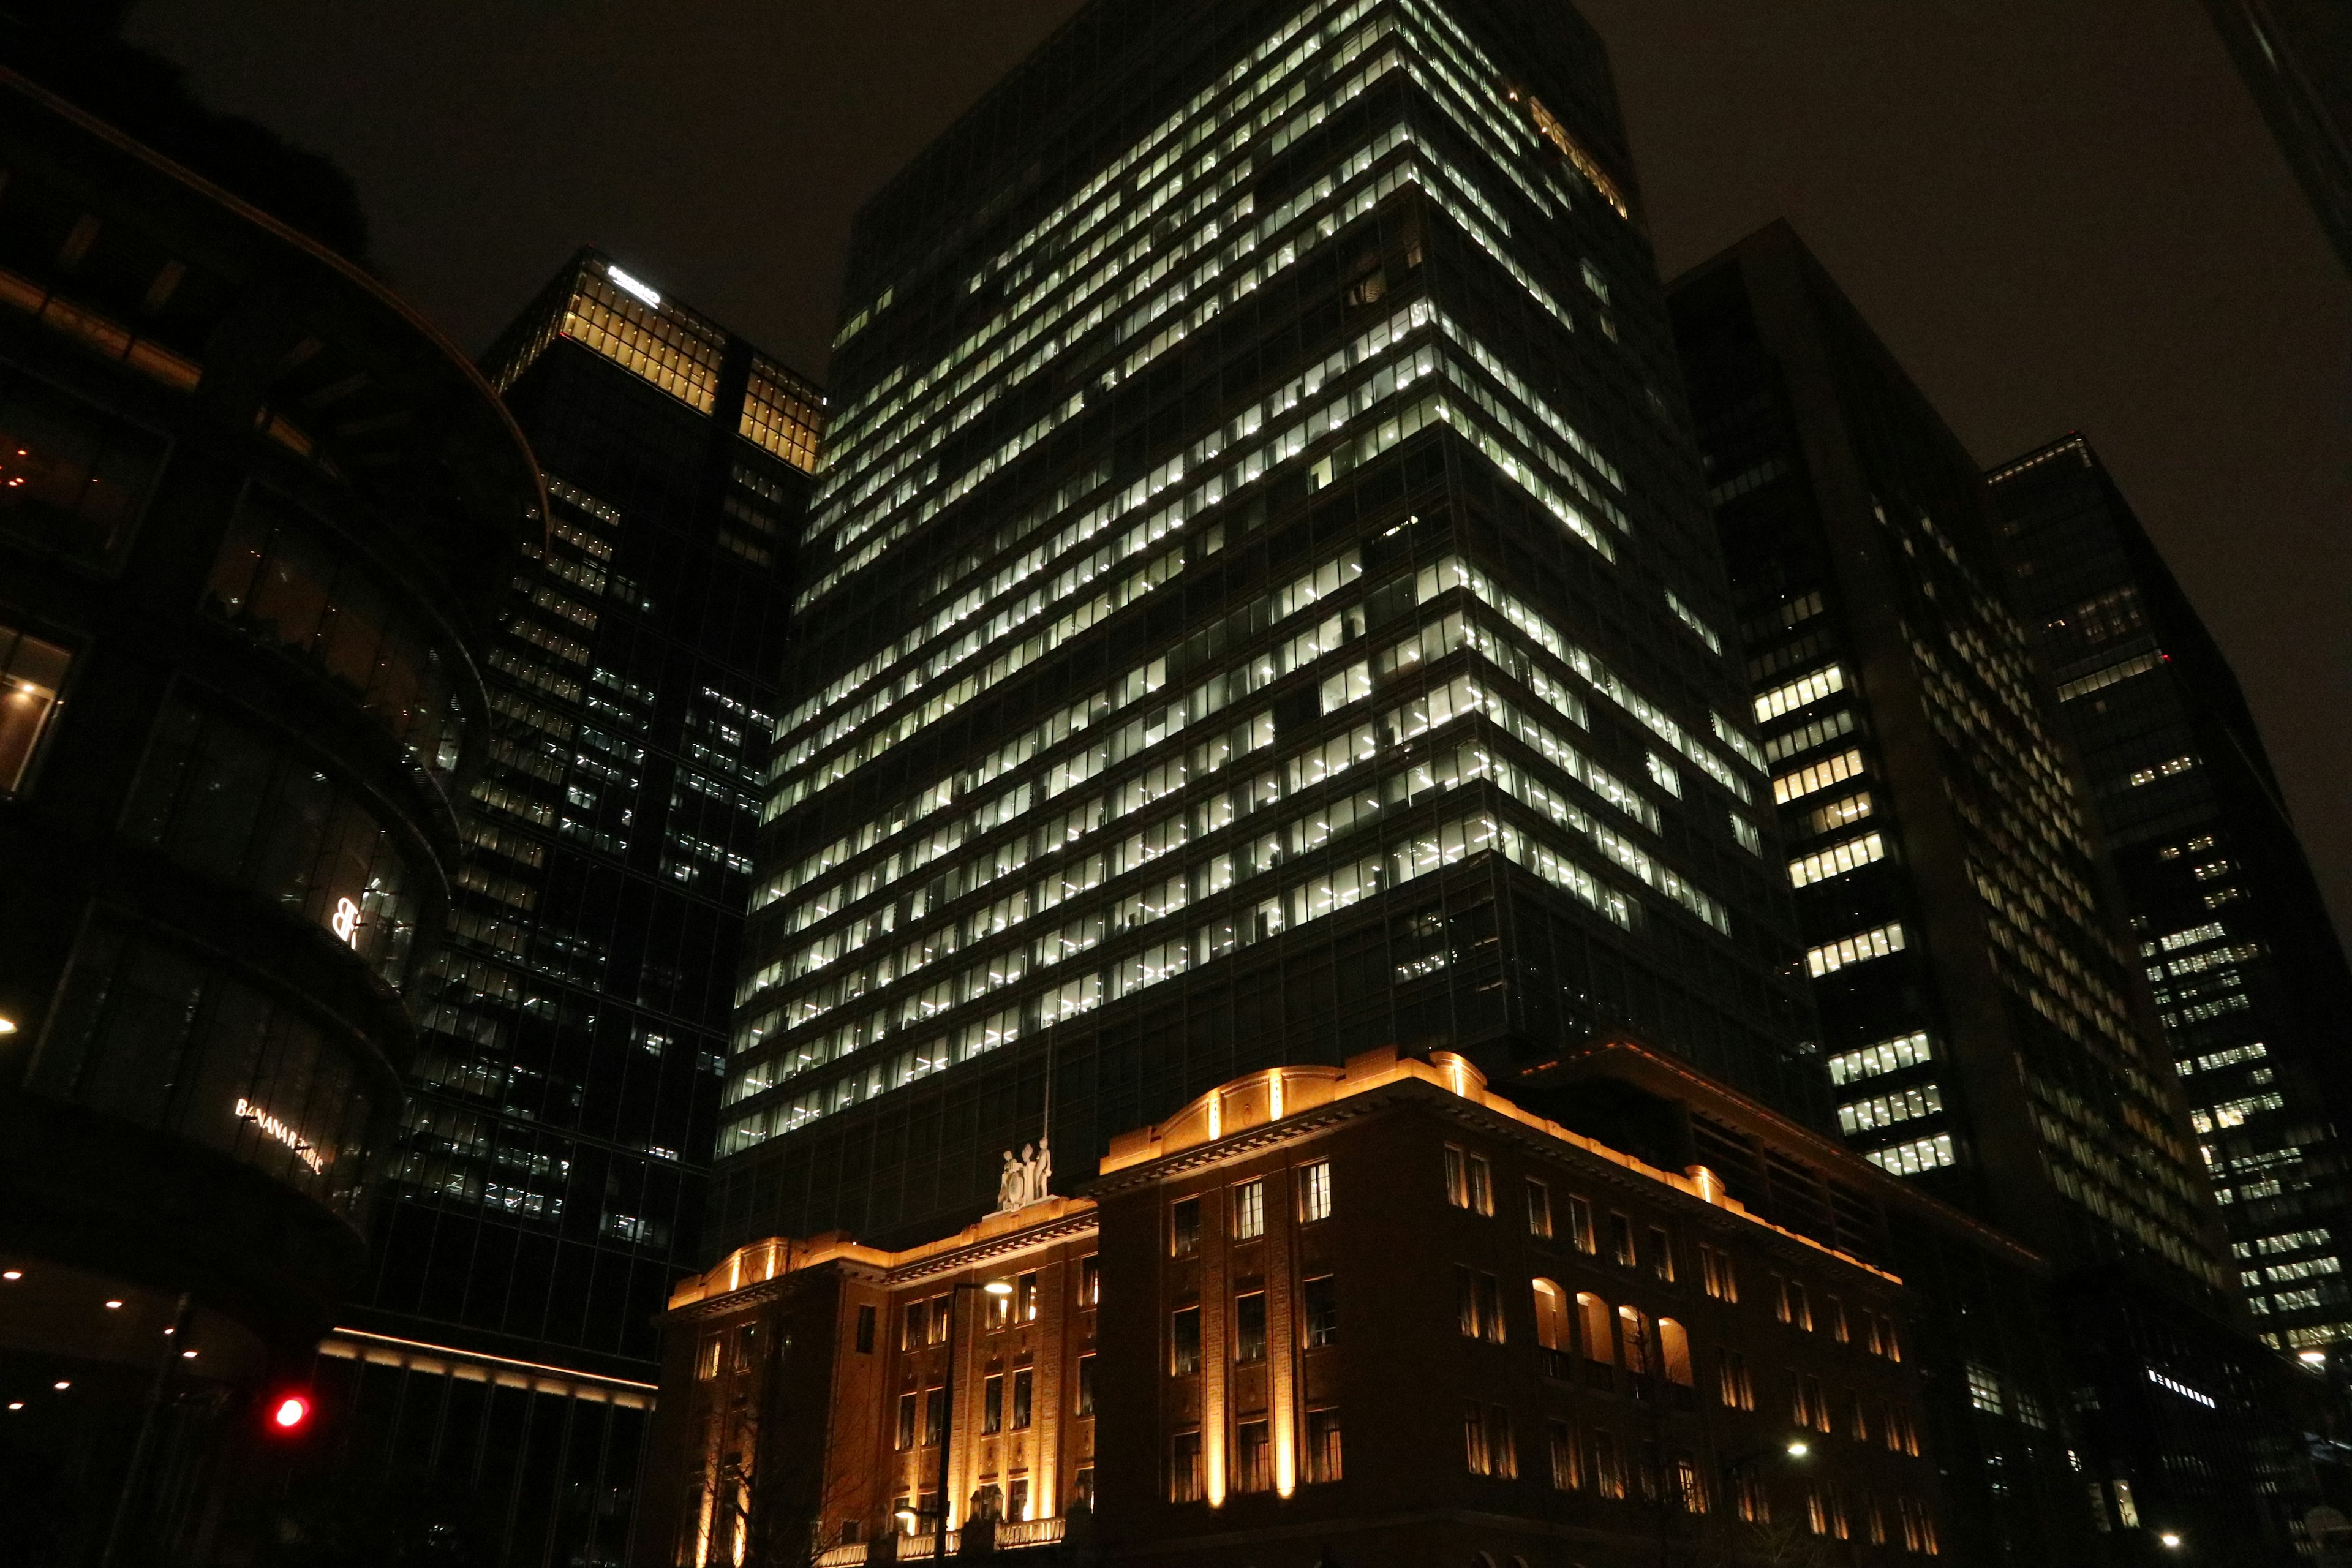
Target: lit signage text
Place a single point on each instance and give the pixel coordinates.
(346, 924)
(627, 284)
(303, 1149)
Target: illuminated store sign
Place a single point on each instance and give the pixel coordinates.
(304, 1150)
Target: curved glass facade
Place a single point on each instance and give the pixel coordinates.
(166, 1037)
(284, 579)
(223, 799)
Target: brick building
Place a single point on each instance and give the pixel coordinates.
(1377, 1312)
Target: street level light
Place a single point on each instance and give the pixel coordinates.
(2171, 1540)
(1798, 1449)
(2313, 1358)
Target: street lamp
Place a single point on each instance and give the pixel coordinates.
(947, 1404)
(2171, 1538)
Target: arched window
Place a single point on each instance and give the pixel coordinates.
(1600, 1340)
(1674, 1352)
(1551, 1316)
(1636, 1325)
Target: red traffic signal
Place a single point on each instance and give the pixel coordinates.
(290, 1414)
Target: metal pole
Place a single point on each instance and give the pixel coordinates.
(178, 1331)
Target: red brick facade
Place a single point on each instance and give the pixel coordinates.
(1377, 1310)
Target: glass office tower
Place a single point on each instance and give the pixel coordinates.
(546, 1182)
(1258, 605)
(2296, 58)
(2249, 980)
(1980, 1011)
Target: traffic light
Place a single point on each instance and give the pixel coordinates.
(289, 1415)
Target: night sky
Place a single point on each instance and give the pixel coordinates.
(2060, 215)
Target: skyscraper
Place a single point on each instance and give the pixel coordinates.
(546, 1182)
(2296, 57)
(1980, 1010)
(1258, 605)
(2249, 981)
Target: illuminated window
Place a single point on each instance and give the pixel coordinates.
(1830, 957)
(1593, 1326)
(1886, 1056)
(1539, 1209)
(1249, 1210)
(1579, 1226)
(32, 672)
(1836, 860)
(1024, 1298)
(1674, 1353)
(1814, 777)
(781, 413)
(1796, 694)
(1090, 1281)
(1719, 1273)
(1552, 1333)
(1314, 1191)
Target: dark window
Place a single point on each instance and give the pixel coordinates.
(1184, 1341)
(906, 1422)
(1184, 1227)
(1086, 1385)
(992, 1403)
(1024, 1391)
(864, 1330)
(1249, 1326)
(1322, 1299)
(935, 1416)
(1090, 1282)
(1025, 1299)
(1323, 1445)
(916, 1331)
(1539, 1209)
(71, 477)
(1253, 1458)
(1621, 1240)
(280, 577)
(232, 803)
(1184, 1468)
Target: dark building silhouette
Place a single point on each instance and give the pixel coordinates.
(1980, 1012)
(256, 518)
(1259, 606)
(2249, 981)
(492, 1379)
(2296, 58)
